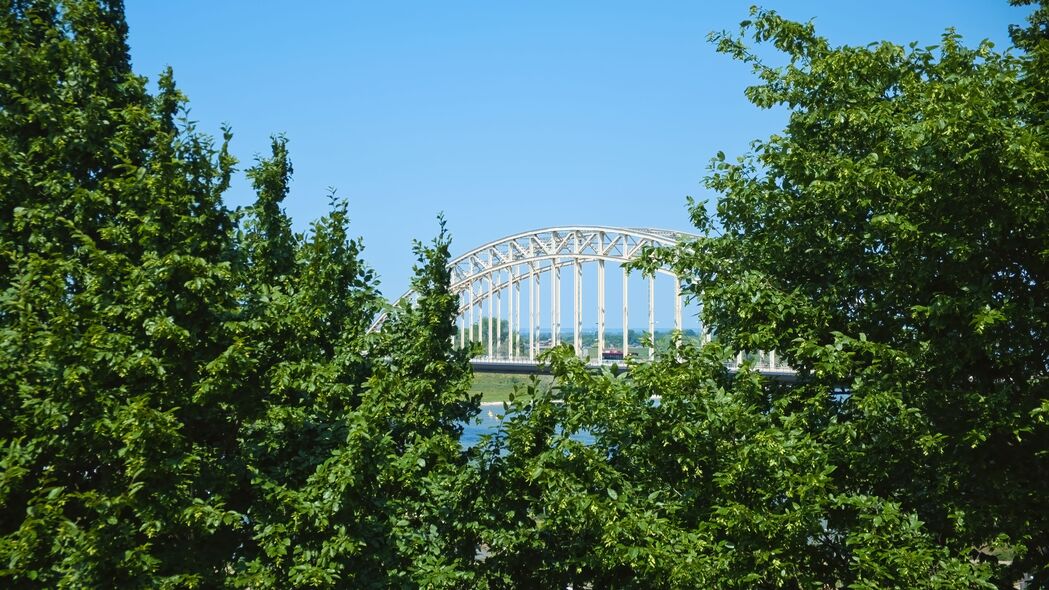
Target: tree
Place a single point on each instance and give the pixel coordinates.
(382, 499)
(891, 243)
(420, 397)
(189, 396)
(298, 358)
(726, 481)
(114, 282)
(167, 375)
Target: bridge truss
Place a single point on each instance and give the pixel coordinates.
(495, 272)
(488, 274)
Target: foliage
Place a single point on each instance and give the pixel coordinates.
(500, 340)
(189, 396)
(892, 243)
(693, 478)
(116, 277)
(356, 461)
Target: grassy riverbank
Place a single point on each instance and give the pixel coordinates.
(497, 387)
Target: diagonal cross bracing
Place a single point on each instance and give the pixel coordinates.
(545, 249)
(481, 276)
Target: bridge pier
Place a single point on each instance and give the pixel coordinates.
(555, 304)
(677, 303)
(535, 311)
(498, 317)
(517, 333)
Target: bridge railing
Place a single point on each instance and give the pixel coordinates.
(761, 361)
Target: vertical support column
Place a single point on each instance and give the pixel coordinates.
(510, 314)
(702, 324)
(534, 313)
(600, 309)
(652, 316)
(577, 308)
(704, 337)
(555, 305)
(577, 298)
(499, 315)
(626, 315)
(560, 305)
(517, 333)
(490, 301)
(473, 304)
(677, 303)
(462, 331)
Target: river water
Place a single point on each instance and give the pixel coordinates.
(487, 422)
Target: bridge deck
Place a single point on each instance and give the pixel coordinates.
(526, 367)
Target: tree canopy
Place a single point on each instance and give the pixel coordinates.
(892, 243)
(190, 396)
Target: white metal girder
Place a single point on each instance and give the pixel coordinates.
(551, 247)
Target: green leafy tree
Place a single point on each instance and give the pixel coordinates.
(891, 243)
(166, 375)
(420, 397)
(725, 481)
(381, 501)
(189, 397)
(298, 356)
(116, 276)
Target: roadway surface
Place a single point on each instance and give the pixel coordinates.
(526, 367)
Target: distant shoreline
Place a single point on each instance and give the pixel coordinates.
(655, 398)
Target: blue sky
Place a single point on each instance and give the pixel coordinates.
(505, 116)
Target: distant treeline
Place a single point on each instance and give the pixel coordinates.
(613, 338)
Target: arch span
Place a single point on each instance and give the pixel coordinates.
(484, 274)
(495, 272)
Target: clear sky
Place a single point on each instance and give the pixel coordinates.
(506, 116)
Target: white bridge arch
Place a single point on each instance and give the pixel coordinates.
(482, 275)
(496, 271)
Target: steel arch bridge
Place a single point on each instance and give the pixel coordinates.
(495, 272)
